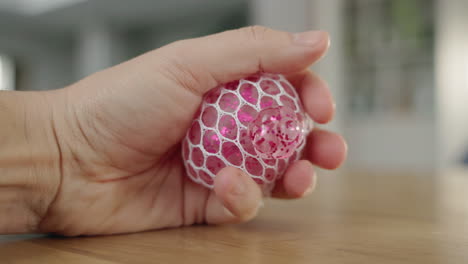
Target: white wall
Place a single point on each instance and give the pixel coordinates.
(380, 142)
(280, 14)
(303, 15)
(328, 15)
(7, 73)
(97, 47)
(452, 80)
(47, 64)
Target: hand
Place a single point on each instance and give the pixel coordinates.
(119, 134)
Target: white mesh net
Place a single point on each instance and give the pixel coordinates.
(219, 135)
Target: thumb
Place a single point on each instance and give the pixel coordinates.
(239, 197)
(208, 61)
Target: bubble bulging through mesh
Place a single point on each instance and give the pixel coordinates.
(256, 124)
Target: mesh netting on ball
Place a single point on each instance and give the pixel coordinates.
(256, 124)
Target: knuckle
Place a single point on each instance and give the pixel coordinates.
(255, 33)
(183, 73)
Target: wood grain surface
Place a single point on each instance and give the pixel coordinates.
(351, 218)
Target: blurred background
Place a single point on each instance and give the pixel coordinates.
(398, 68)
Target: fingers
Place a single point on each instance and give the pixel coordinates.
(241, 196)
(298, 181)
(237, 197)
(315, 96)
(238, 53)
(325, 149)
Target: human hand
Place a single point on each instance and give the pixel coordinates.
(119, 132)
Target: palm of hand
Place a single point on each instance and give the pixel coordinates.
(128, 175)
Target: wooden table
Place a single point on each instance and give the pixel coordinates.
(351, 218)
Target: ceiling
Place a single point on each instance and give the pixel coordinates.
(63, 15)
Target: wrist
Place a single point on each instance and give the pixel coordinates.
(29, 160)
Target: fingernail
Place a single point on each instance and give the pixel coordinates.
(308, 191)
(312, 186)
(228, 213)
(255, 211)
(308, 38)
(261, 204)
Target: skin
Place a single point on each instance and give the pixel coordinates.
(102, 156)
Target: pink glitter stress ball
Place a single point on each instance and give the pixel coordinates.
(256, 124)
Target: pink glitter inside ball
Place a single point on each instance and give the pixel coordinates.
(276, 133)
(256, 124)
